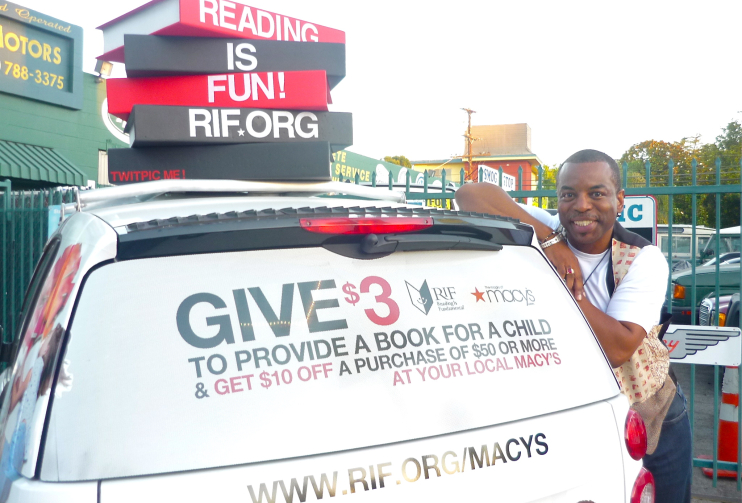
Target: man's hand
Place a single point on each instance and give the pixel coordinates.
(488, 198)
(567, 266)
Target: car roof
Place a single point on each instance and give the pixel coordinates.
(123, 205)
(162, 209)
(707, 269)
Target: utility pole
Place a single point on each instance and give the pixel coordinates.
(470, 174)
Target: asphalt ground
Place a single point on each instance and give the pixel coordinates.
(703, 433)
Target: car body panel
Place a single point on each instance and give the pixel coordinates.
(83, 242)
(484, 463)
(35, 491)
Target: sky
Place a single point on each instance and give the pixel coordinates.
(581, 74)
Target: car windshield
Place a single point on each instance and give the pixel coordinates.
(193, 362)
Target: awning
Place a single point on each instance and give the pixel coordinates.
(42, 164)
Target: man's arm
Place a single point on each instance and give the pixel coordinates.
(619, 339)
(634, 307)
(488, 198)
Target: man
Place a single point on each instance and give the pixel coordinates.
(623, 317)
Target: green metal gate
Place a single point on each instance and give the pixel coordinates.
(24, 230)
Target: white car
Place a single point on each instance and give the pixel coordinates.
(235, 341)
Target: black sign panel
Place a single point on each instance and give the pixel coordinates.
(40, 57)
(265, 162)
(153, 56)
(155, 125)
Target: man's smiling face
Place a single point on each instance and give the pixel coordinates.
(588, 204)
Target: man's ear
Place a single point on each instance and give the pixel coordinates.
(620, 195)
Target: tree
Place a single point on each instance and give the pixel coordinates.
(728, 149)
(399, 160)
(548, 182)
(659, 154)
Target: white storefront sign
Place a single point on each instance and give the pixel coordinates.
(492, 176)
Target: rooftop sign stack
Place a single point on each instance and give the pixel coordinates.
(230, 87)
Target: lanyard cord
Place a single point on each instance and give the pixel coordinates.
(596, 267)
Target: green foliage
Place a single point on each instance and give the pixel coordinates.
(727, 148)
(659, 154)
(548, 183)
(682, 153)
(399, 160)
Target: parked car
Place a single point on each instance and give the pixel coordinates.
(724, 258)
(240, 341)
(729, 283)
(728, 311)
(680, 264)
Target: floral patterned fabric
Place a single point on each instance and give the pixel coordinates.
(643, 378)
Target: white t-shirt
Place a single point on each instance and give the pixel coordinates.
(640, 295)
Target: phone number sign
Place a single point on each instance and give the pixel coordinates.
(40, 57)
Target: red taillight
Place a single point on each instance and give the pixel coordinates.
(635, 434)
(375, 225)
(643, 491)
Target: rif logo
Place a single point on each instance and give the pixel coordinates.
(421, 297)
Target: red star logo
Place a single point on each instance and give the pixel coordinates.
(479, 295)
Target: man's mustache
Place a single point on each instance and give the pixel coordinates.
(583, 216)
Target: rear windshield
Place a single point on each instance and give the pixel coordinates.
(194, 362)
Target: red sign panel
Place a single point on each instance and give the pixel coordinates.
(210, 18)
(306, 90)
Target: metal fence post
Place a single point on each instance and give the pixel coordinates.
(693, 320)
(540, 184)
(520, 180)
(6, 185)
(739, 408)
(670, 221)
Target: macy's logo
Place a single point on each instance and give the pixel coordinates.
(498, 295)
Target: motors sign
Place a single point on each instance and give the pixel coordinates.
(492, 176)
(40, 57)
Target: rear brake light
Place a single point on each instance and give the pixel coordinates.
(643, 491)
(374, 225)
(678, 291)
(635, 434)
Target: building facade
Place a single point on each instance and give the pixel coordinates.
(54, 125)
(506, 146)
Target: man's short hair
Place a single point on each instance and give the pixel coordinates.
(589, 155)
